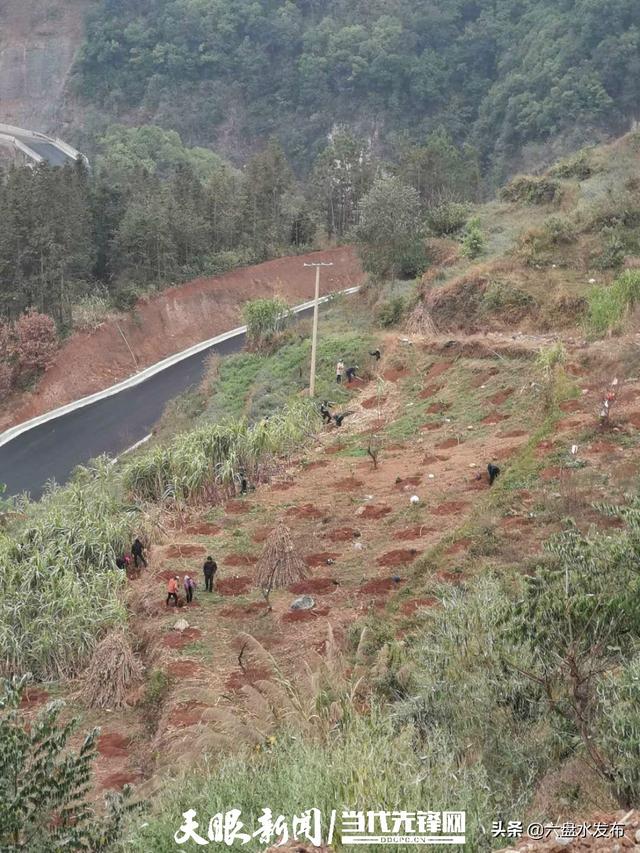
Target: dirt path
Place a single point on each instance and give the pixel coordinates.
(173, 320)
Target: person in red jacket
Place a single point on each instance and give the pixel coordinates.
(172, 590)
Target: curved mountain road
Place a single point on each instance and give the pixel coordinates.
(51, 450)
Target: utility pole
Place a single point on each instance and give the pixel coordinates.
(314, 339)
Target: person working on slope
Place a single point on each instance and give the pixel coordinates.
(210, 568)
(351, 373)
(172, 590)
(376, 354)
(339, 371)
(137, 549)
(189, 586)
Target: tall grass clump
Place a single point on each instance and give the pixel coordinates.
(609, 305)
(205, 464)
(340, 773)
(60, 584)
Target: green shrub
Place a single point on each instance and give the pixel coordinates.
(559, 230)
(531, 190)
(265, 318)
(608, 305)
(579, 166)
(504, 296)
(613, 253)
(390, 313)
(473, 244)
(448, 217)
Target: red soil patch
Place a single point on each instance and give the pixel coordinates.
(517, 522)
(237, 610)
(379, 585)
(602, 447)
(500, 397)
(33, 696)
(304, 511)
(392, 375)
(372, 511)
(484, 378)
(430, 391)
(398, 445)
(320, 559)
(304, 615)
(413, 480)
(203, 529)
(261, 534)
(180, 639)
(188, 714)
(334, 448)
(571, 406)
(450, 508)
(233, 586)
(478, 485)
(550, 473)
(634, 419)
(240, 560)
(281, 487)
(166, 574)
(494, 419)
(457, 547)
(449, 442)
(112, 745)
(310, 586)
(250, 674)
(429, 459)
(410, 607)
(399, 557)
(348, 484)
(416, 532)
(450, 577)
(237, 507)
(178, 551)
(183, 668)
(343, 534)
(373, 402)
(513, 433)
(431, 428)
(438, 369)
(116, 781)
(436, 408)
(318, 463)
(442, 458)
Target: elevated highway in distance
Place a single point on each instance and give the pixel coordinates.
(35, 148)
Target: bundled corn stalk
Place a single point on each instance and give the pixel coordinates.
(111, 673)
(279, 564)
(420, 321)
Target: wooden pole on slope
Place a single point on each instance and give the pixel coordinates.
(314, 339)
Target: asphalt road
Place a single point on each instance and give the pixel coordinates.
(50, 153)
(52, 450)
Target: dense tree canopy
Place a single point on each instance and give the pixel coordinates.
(499, 74)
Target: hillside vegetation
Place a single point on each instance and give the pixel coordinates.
(499, 76)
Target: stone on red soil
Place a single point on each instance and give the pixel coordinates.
(373, 511)
(117, 781)
(398, 557)
(320, 559)
(180, 639)
(182, 551)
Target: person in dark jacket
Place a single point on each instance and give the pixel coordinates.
(189, 586)
(210, 568)
(493, 472)
(137, 550)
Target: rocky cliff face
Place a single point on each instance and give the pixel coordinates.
(39, 40)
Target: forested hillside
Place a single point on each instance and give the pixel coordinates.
(496, 74)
